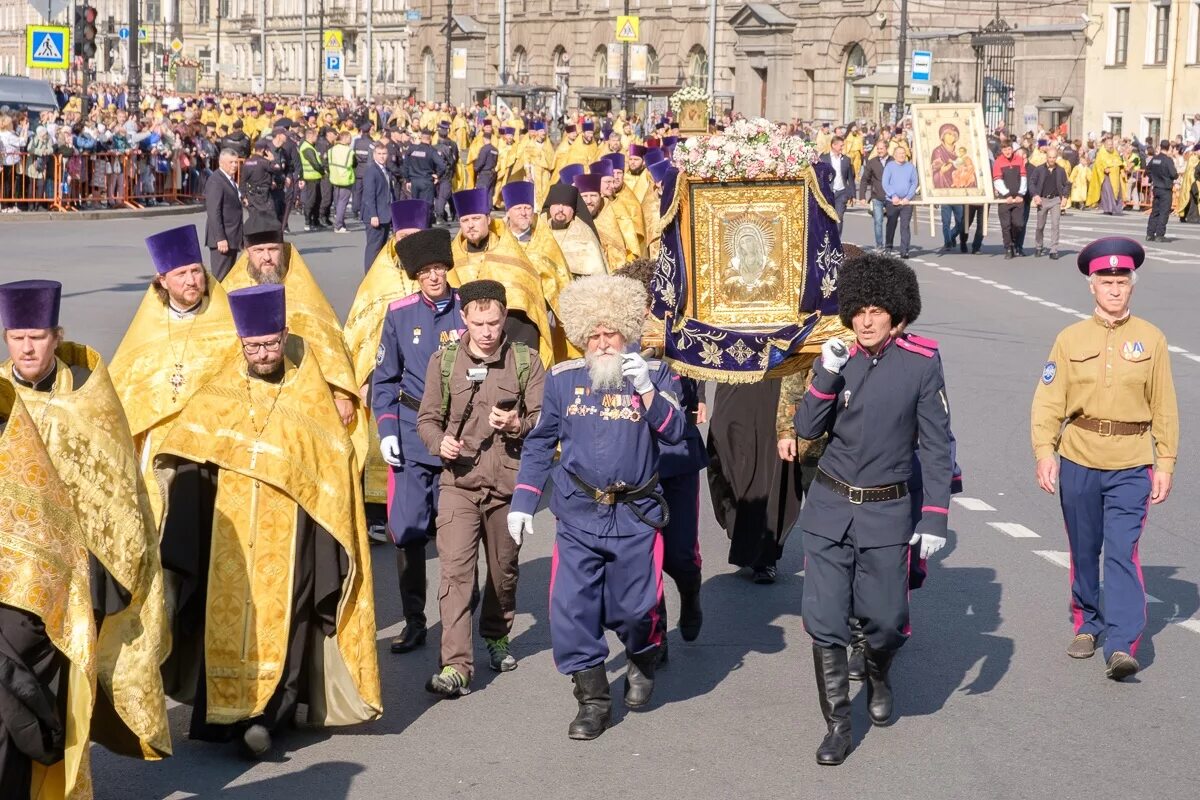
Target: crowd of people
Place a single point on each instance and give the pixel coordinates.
(478, 375)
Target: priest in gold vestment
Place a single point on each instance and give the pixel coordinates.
(66, 388)
(266, 544)
(384, 283)
(180, 337)
(47, 628)
(268, 259)
(484, 249)
(628, 206)
(618, 242)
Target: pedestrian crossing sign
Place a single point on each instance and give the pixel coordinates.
(47, 47)
(333, 40)
(627, 29)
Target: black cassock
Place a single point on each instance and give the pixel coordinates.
(321, 567)
(755, 494)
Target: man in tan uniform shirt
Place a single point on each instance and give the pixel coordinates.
(1108, 379)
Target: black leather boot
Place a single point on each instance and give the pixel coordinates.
(595, 704)
(1008, 253)
(639, 678)
(879, 686)
(410, 568)
(691, 616)
(833, 689)
(857, 669)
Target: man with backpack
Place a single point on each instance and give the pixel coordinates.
(483, 394)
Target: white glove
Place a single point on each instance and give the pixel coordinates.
(519, 524)
(389, 448)
(930, 544)
(834, 355)
(637, 370)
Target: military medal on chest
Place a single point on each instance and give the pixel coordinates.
(416, 335)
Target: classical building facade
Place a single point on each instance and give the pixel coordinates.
(1143, 60)
(808, 59)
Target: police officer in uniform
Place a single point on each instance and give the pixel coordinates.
(447, 148)
(610, 412)
(873, 399)
(415, 328)
(256, 182)
(485, 165)
(312, 170)
(1116, 453)
(325, 142)
(1162, 172)
(422, 166)
(363, 145)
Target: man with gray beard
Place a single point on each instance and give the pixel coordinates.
(609, 411)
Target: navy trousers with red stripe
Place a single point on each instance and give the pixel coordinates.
(681, 536)
(1105, 513)
(603, 582)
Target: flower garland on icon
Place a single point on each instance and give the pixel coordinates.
(748, 149)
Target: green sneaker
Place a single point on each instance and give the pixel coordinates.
(448, 683)
(501, 660)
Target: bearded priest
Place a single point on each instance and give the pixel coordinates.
(266, 544)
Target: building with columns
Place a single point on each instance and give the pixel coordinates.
(809, 59)
(1144, 60)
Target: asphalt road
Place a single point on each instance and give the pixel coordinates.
(989, 706)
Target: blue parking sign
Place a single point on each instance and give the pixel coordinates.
(333, 63)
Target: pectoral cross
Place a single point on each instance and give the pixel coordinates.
(254, 450)
(177, 381)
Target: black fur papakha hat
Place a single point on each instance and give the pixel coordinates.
(423, 249)
(876, 280)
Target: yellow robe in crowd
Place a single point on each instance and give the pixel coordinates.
(1081, 176)
(538, 162)
(1187, 179)
(161, 361)
(504, 260)
(87, 437)
(460, 132)
(629, 208)
(854, 149)
(44, 564)
(302, 457)
(1106, 159)
(617, 237)
(310, 316)
(384, 283)
(510, 166)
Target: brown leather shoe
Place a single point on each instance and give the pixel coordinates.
(1121, 666)
(1082, 646)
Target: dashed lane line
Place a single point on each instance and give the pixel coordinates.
(1015, 530)
(1056, 557)
(1039, 300)
(973, 504)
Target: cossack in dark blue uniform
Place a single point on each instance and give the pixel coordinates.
(607, 558)
(873, 410)
(413, 330)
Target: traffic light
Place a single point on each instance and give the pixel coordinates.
(88, 34)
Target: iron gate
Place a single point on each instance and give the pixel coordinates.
(995, 73)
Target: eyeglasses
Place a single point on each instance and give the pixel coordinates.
(254, 348)
(433, 271)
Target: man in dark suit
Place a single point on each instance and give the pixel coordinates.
(843, 176)
(223, 205)
(485, 165)
(379, 190)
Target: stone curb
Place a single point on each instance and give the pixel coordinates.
(102, 213)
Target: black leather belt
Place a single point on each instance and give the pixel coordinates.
(623, 493)
(859, 495)
(408, 401)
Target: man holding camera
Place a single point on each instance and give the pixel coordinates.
(482, 396)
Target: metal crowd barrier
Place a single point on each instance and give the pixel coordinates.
(84, 181)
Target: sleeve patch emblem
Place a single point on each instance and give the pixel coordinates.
(379, 354)
(1048, 372)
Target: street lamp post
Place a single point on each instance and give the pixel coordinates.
(320, 50)
(625, 69)
(449, 43)
(133, 88)
(217, 66)
(903, 57)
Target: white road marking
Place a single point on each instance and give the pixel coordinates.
(1015, 530)
(1055, 557)
(1192, 625)
(973, 504)
(1051, 304)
